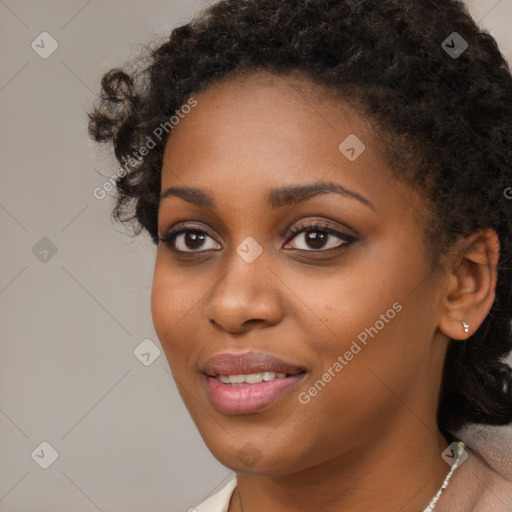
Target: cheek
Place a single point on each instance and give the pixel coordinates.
(370, 319)
(378, 349)
(346, 305)
(172, 302)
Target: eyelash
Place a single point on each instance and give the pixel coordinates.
(347, 240)
(323, 228)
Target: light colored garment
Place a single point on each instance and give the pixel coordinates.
(494, 444)
(219, 502)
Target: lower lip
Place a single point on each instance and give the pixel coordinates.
(249, 398)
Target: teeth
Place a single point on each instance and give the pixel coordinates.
(251, 378)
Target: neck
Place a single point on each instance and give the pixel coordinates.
(400, 471)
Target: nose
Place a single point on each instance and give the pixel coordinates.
(244, 298)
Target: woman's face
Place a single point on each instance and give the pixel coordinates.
(300, 247)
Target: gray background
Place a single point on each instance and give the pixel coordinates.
(70, 321)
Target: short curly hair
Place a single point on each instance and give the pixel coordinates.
(446, 120)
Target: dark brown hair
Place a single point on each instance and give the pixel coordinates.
(446, 118)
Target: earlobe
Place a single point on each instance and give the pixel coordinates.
(471, 284)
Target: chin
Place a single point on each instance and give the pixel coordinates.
(246, 456)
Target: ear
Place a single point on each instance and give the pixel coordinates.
(472, 274)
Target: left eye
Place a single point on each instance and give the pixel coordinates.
(314, 238)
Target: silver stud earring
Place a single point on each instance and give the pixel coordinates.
(466, 326)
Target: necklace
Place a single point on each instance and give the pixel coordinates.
(455, 465)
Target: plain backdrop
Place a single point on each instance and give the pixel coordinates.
(75, 290)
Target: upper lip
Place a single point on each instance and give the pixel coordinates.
(246, 363)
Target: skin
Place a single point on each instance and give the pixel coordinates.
(369, 440)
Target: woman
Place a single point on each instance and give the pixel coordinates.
(326, 184)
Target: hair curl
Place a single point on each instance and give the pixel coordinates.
(447, 123)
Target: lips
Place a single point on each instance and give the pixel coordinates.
(234, 396)
(247, 363)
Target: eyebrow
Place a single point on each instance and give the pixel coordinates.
(276, 197)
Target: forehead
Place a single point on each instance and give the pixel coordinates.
(258, 131)
(265, 102)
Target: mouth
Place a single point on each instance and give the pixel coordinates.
(252, 378)
(249, 382)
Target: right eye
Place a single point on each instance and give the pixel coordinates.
(189, 239)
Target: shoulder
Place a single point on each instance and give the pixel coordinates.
(477, 487)
(496, 495)
(219, 502)
(485, 478)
